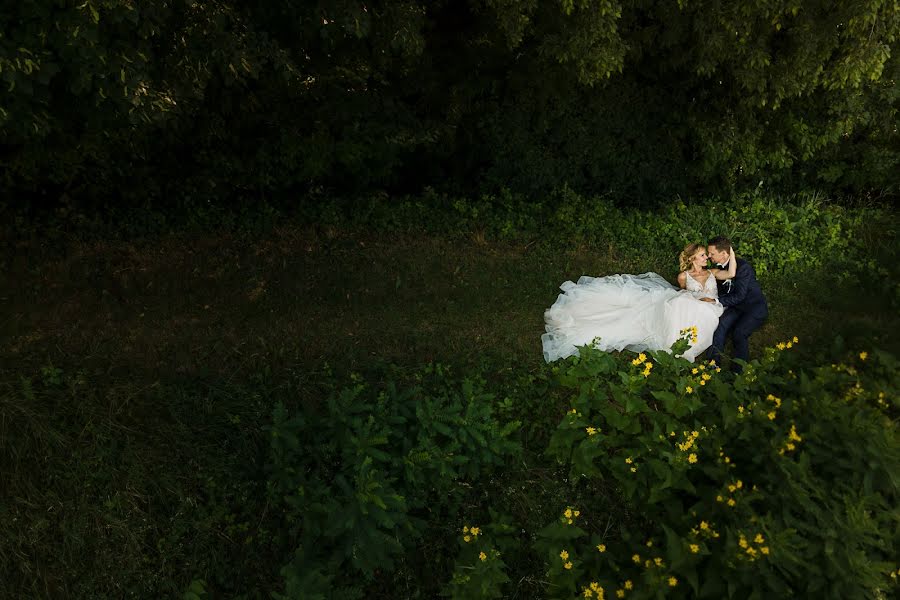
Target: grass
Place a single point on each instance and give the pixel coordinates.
(138, 466)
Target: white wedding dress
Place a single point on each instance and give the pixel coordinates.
(633, 312)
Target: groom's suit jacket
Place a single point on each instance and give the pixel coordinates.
(743, 293)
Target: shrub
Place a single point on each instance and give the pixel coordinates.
(779, 483)
(365, 477)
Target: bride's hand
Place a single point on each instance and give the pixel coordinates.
(708, 299)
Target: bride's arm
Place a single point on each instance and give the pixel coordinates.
(682, 280)
(732, 267)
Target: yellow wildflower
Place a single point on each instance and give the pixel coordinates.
(476, 531)
(621, 593)
(636, 558)
(694, 371)
(466, 538)
(568, 513)
(465, 529)
(739, 484)
(731, 488)
(658, 561)
(743, 542)
(628, 585)
(771, 415)
(577, 513)
(759, 539)
(591, 430)
(649, 543)
(673, 581)
(642, 357)
(689, 389)
(601, 547)
(634, 469)
(628, 460)
(588, 593)
(741, 409)
(564, 555)
(789, 345)
(695, 548)
(719, 498)
(704, 525)
(780, 345)
(731, 502)
(764, 549)
(482, 556)
(863, 355)
(568, 565)
(692, 458)
(796, 339)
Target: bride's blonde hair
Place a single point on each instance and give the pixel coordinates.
(684, 259)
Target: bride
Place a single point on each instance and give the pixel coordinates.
(638, 312)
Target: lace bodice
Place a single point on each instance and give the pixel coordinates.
(706, 290)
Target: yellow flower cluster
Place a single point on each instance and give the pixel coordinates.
(790, 444)
(594, 590)
(642, 359)
(568, 516)
(704, 529)
(470, 533)
(854, 392)
(689, 333)
(788, 344)
(751, 552)
(726, 459)
(847, 369)
(689, 439)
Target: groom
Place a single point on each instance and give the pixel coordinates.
(745, 305)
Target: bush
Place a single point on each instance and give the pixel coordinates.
(365, 477)
(779, 483)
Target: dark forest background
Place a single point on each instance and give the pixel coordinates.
(120, 103)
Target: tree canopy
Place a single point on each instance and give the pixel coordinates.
(190, 100)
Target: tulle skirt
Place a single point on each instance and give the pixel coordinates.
(633, 312)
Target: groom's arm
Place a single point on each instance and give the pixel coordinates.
(745, 275)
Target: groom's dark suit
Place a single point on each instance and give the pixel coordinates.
(745, 311)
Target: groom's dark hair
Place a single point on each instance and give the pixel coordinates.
(720, 242)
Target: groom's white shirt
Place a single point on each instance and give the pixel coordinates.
(728, 282)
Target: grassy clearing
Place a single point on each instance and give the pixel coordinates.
(138, 466)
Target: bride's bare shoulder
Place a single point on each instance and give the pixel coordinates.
(682, 279)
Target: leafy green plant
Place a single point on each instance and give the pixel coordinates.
(777, 483)
(362, 479)
(480, 571)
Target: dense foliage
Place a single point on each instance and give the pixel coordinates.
(171, 102)
(232, 464)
